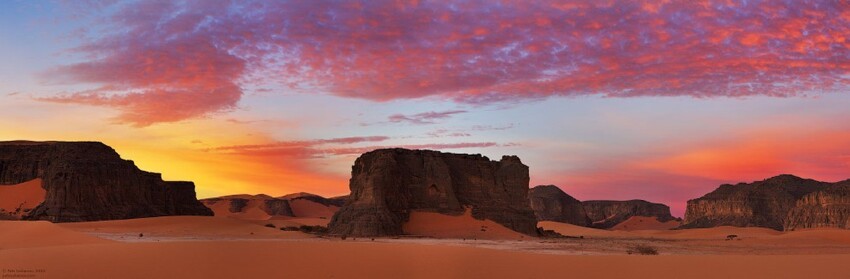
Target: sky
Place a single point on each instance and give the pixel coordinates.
(655, 100)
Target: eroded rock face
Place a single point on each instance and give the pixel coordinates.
(550, 203)
(88, 181)
(607, 214)
(764, 203)
(387, 184)
(829, 207)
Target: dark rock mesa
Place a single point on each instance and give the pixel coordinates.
(387, 184)
(238, 203)
(783, 202)
(88, 181)
(607, 214)
(550, 203)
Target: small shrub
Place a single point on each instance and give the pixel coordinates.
(270, 225)
(544, 233)
(642, 249)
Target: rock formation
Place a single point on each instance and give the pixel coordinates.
(766, 204)
(238, 204)
(387, 184)
(265, 207)
(607, 214)
(550, 203)
(335, 201)
(828, 207)
(88, 181)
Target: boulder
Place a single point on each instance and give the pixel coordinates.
(607, 214)
(550, 203)
(88, 181)
(387, 184)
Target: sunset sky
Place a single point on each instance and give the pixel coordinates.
(662, 100)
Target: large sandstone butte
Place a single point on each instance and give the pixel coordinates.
(387, 184)
(607, 214)
(550, 203)
(781, 202)
(88, 181)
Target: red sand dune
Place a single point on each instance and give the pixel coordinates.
(636, 223)
(14, 199)
(252, 211)
(463, 226)
(308, 208)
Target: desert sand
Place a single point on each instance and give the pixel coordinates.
(211, 247)
(308, 208)
(22, 196)
(637, 223)
(459, 227)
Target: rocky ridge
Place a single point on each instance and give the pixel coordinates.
(607, 214)
(783, 202)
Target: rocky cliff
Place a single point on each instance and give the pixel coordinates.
(88, 181)
(387, 184)
(550, 203)
(828, 207)
(764, 203)
(607, 214)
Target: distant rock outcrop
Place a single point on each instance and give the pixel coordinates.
(775, 203)
(261, 207)
(251, 207)
(335, 201)
(828, 207)
(607, 214)
(387, 184)
(550, 203)
(88, 181)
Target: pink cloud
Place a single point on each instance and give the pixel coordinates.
(306, 148)
(319, 148)
(436, 146)
(191, 58)
(423, 118)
